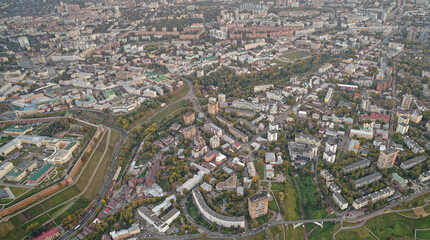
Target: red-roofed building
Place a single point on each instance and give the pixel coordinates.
(153, 171)
(49, 235)
(377, 116)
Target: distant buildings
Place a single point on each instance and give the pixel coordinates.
(303, 149)
(258, 205)
(386, 159)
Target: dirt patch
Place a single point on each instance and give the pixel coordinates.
(420, 212)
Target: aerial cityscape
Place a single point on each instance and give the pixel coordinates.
(214, 119)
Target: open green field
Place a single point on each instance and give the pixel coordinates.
(290, 203)
(295, 55)
(10, 232)
(422, 234)
(166, 112)
(355, 233)
(273, 206)
(97, 182)
(17, 191)
(260, 169)
(278, 186)
(393, 225)
(310, 198)
(326, 232)
(61, 197)
(92, 163)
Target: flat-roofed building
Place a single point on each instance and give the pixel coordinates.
(357, 165)
(214, 217)
(412, 162)
(5, 168)
(366, 180)
(424, 177)
(375, 196)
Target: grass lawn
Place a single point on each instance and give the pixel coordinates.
(56, 210)
(35, 210)
(393, 225)
(260, 169)
(181, 93)
(92, 163)
(61, 197)
(19, 159)
(6, 227)
(18, 191)
(326, 232)
(310, 198)
(99, 178)
(423, 234)
(295, 55)
(290, 204)
(166, 112)
(273, 206)
(355, 233)
(278, 186)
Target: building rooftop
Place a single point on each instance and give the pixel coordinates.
(36, 175)
(258, 197)
(202, 203)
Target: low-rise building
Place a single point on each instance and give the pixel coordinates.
(18, 130)
(424, 177)
(366, 180)
(229, 184)
(326, 175)
(414, 146)
(37, 176)
(399, 181)
(5, 168)
(412, 162)
(374, 197)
